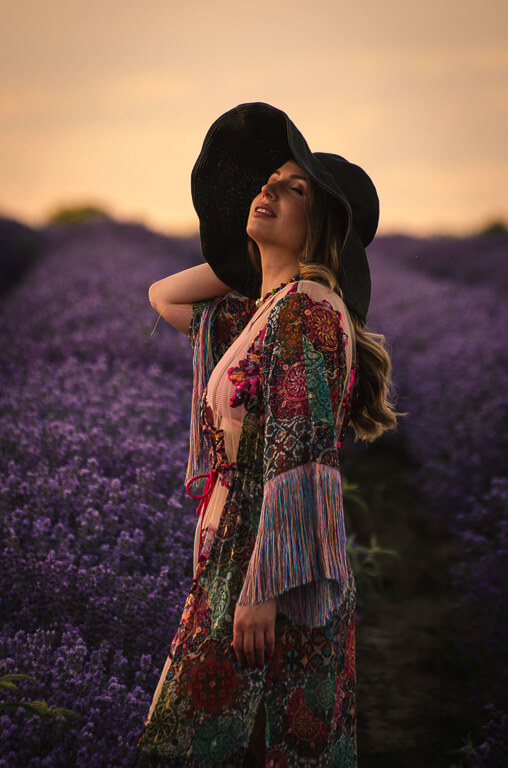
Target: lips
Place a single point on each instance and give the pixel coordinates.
(262, 209)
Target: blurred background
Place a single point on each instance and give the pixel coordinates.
(104, 107)
(110, 101)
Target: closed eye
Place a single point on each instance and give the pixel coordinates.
(295, 189)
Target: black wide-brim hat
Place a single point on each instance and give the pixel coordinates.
(240, 150)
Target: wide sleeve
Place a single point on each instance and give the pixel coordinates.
(299, 555)
(213, 327)
(198, 310)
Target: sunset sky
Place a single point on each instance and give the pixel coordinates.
(108, 102)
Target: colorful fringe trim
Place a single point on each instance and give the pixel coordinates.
(301, 539)
(202, 366)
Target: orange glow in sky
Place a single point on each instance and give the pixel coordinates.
(108, 102)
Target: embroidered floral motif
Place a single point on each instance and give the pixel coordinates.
(247, 378)
(216, 445)
(322, 325)
(306, 733)
(212, 681)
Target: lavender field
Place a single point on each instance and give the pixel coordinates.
(96, 526)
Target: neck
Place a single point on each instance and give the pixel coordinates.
(277, 270)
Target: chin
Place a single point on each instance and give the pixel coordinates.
(253, 232)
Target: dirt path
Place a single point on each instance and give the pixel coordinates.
(411, 705)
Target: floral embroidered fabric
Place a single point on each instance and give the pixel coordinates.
(247, 377)
(273, 389)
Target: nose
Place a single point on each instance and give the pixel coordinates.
(268, 188)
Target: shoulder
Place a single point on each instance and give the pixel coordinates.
(228, 317)
(235, 302)
(305, 292)
(308, 311)
(313, 292)
(224, 316)
(232, 304)
(233, 311)
(309, 302)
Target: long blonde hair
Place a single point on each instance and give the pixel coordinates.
(373, 406)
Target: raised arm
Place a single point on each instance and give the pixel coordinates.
(173, 296)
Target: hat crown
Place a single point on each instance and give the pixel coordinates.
(241, 148)
(358, 188)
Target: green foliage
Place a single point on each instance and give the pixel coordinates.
(365, 565)
(77, 215)
(40, 708)
(350, 494)
(494, 227)
(6, 682)
(364, 560)
(464, 754)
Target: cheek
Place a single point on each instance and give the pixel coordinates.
(297, 214)
(301, 220)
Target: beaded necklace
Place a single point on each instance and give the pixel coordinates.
(274, 290)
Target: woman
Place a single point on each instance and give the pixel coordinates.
(261, 670)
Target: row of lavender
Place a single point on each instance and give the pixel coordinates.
(96, 526)
(442, 305)
(95, 523)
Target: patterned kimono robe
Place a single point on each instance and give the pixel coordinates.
(280, 535)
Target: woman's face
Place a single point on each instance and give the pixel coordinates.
(283, 220)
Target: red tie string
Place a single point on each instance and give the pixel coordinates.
(211, 478)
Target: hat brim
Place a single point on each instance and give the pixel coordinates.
(240, 150)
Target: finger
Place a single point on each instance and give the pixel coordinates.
(248, 649)
(238, 647)
(259, 644)
(270, 642)
(232, 650)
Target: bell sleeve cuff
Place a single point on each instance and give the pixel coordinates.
(301, 540)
